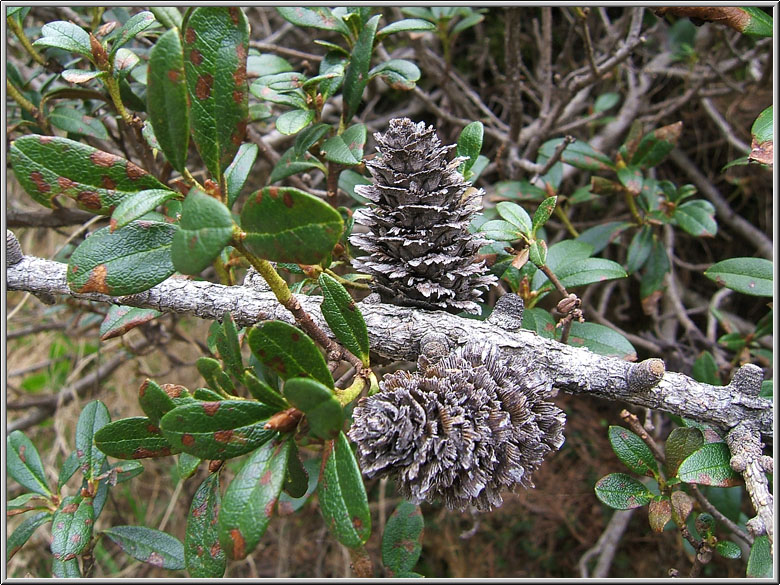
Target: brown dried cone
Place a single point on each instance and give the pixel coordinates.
(462, 430)
(420, 250)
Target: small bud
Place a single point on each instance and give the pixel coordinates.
(284, 421)
(215, 465)
(106, 28)
(568, 304)
(704, 524)
(99, 53)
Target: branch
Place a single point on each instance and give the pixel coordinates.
(396, 332)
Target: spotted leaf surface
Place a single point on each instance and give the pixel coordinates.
(47, 166)
(166, 98)
(284, 224)
(622, 492)
(229, 346)
(218, 430)
(342, 495)
(71, 527)
(24, 531)
(23, 463)
(216, 43)
(203, 554)
(343, 317)
(93, 417)
(263, 392)
(632, 451)
(130, 260)
(250, 499)
(402, 539)
(121, 319)
(205, 229)
(323, 411)
(133, 438)
(709, 465)
(156, 400)
(289, 352)
(149, 546)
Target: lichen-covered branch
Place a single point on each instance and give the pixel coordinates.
(397, 332)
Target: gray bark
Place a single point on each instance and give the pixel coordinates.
(396, 333)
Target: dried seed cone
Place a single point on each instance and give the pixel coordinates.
(462, 430)
(420, 250)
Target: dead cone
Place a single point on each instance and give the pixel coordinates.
(462, 430)
(420, 250)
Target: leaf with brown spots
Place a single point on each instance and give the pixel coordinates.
(149, 546)
(249, 502)
(133, 438)
(98, 181)
(342, 495)
(130, 260)
(93, 417)
(218, 430)
(274, 343)
(71, 527)
(216, 45)
(23, 463)
(343, 317)
(203, 554)
(402, 538)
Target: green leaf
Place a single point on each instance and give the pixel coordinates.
(405, 25)
(218, 430)
(347, 148)
(296, 481)
(65, 569)
(522, 190)
(709, 465)
(342, 495)
(66, 36)
(267, 64)
(82, 76)
(471, 20)
(168, 16)
(705, 369)
(762, 129)
(759, 23)
(356, 75)
(294, 121)
(501, 231)
(582, 155)
(203, 554)
(31, 501)
(149, 546)
(397, 73)
(537, 252)
(470, 145)
(751, 276)
(156, 400)
(343, 317)
(250, 499)
(606, 101)
(71, 527)
(187, 465)
(121, 319)
(632, 451)
(601, 236)
(639, 249)
(308, 138)
(760, 561)
(289, 164)
(515, 215)
(123, 471)
(319, 17)
(288, 504)
(323, 411)
(215, 377)
(540, 321)
(656, 268)
(697, 217)
(728, 549)
(23, 532)
(124, 62)
(133, 438)
(656, 146)
(72, 120)
(216, 44)
(130, 260)
(588, 271)
(136, 205)
(166, 98)
(682, 442)
(205, 228)
(263, 392)
(238, 171)
(135, 25)
(93, 417)
(47, 166)
(402, 539)
(229, 346)
(601, 339)
(23, 463)
(284, 224)
(289, 352)
(631, 178)
(622, 492)
(67, 469)
(543, 213)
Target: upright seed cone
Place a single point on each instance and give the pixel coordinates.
(420, 251)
